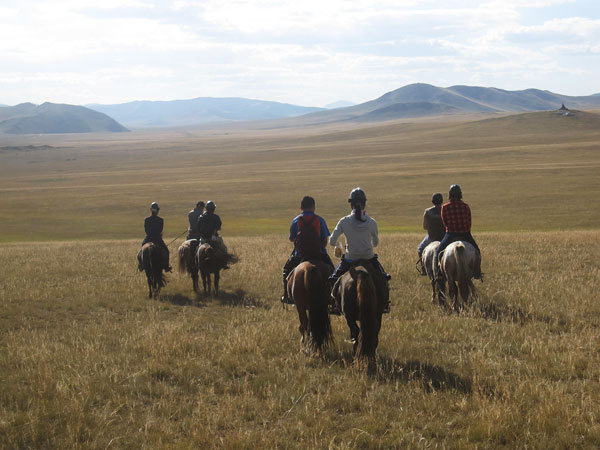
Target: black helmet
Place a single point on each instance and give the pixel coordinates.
(155, 206)
(200, 204)
(437, 199)
(210, 206)
(455, 192)
(357, 196)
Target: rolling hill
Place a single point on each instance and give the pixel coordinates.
(198, 111)
(50, 118)
(419, 100)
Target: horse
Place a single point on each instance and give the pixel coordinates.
(458, 264)
(359, 299)
(150, 261)
(187, 260)
(207, 262)
(438, 287)
(308, 288)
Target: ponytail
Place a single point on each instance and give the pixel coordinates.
(358, 207)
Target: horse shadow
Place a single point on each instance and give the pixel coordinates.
(179, 300)
(431, 377)
(500, 311)
(239, 298)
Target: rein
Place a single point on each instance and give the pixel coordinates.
(177, 238)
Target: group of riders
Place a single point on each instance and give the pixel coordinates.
(444, 222)
(204, 227)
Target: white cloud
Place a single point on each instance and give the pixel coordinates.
(310, 52)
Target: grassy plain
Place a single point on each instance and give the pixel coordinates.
(86, 361)
(531, 172)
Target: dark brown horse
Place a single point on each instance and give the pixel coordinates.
(358, 298)
(150, 261)
(208, 263)
(187, 260)
(307, 286)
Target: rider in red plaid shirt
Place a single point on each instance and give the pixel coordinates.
(456, 216)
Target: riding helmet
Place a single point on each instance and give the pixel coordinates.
(200, 204)
(357, 196)
(455, 192)
(155, 206)
(437, 199)
(210, 206)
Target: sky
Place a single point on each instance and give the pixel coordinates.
(305, 52)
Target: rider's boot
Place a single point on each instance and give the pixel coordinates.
(333, 307)
(420, 267)
(285, 298)
(477, 274)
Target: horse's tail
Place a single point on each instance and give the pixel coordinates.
(461, 272)
(366, 296)
(184, 252)
(153, 265)
(319, 324)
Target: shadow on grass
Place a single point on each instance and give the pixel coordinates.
(431, 377)
(500, 311)
(179, 300)
(235, 298)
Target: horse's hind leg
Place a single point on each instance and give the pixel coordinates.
(195, 280)
(217, 278)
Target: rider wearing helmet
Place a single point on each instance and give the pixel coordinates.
(153, 225)
(456, 216)
(361, 236)
(433, 223)
(308, 219)
(209, 225)
(193, 216)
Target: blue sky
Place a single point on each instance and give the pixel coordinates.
(309, 52)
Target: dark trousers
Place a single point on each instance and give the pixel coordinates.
(344, 266)
(449, 238)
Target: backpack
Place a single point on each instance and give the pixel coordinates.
(308, 239)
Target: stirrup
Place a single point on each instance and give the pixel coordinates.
(386, 309)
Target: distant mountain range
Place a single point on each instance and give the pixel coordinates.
(198, 111)
(412, 101)
(421, 100)
(49, 118)
(339, 104)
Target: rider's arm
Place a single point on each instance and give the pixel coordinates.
(425, 221)
(294, 230)
(337, 232)
(374, 233)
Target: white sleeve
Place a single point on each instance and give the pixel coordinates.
(374, 233)
(336, 234)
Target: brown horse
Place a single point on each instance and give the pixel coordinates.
(307, 286)
(208, 263)
(458, 265)
(438, 287)
(358, 298)
(187, 260)
(150, 261)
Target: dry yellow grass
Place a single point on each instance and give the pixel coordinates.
(86, 361)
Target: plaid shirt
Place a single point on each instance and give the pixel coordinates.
(456, 215)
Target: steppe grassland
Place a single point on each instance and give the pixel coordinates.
(534, 172)
(87, 361)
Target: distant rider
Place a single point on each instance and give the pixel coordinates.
(433, 223)
(456, 215)
(309, 234)
(193, 216)
(153, 225)
(209, 225)
(362, 236)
